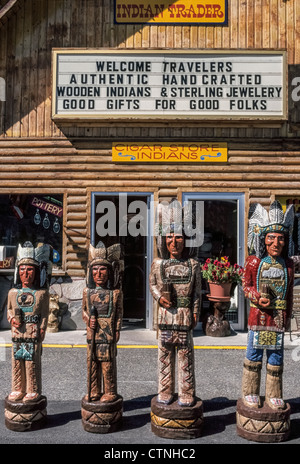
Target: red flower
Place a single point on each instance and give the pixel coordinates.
(216, 270)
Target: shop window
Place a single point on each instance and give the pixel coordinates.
(220, 239)
(220, 230)
(223, 236)
(134, 247)
(285, 201)
(34, 218)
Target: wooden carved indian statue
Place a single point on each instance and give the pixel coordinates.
(102, 311)
(175, 284)
(27, 312)
(268, 284)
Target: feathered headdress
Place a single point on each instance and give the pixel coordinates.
(173, 218)
(262, 222)
(111, 257)
(39, 256)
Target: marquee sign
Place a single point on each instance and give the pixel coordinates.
(163, 85)
(200, 12)
(165, 152)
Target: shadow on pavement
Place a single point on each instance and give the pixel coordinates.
(57, 420)
(215, 404)
(141, 402)
(135, 422)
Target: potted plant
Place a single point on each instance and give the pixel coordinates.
(220, 275)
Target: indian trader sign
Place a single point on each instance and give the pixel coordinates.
(203, 12)
(115, 84)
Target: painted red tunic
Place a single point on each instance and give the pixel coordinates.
(267, 318)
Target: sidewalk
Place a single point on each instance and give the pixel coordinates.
(218, 372)
(137, 337)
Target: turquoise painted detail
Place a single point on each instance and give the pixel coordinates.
(26, 309)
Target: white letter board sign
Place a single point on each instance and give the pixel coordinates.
(171, 84)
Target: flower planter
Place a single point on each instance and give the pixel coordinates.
(217, 324)
(219, 290)
(215, 271)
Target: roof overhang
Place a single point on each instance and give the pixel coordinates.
(8, 9)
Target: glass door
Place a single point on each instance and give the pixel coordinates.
(224, 219)
(126, 218)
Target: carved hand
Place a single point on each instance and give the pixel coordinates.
(15, 323)
(92, 323)
(164, 302)
(195, 320)
(264, 302)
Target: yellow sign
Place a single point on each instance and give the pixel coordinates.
(288, 200)
(165, 152)
(203, 12)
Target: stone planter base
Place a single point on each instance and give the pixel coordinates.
(263, 424)
(175, 421)
(100, 417)
(23, 417)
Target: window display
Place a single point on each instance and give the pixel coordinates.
(37, 218)
(286, 201)
(220, 240)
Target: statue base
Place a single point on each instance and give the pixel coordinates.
(23, 417)
(100, 417)
(216, 324)
(175, 421)
(216, 327)
(263, 424)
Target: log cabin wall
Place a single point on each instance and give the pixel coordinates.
(38, 156)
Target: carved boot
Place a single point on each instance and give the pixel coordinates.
(33, 387)
(274, 387)
(166, 394)
(16, 396)
(251, 383)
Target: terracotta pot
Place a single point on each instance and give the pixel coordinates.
(219, 290)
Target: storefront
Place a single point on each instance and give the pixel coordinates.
(107, 108)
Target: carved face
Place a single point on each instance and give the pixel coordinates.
(274, 243)
(100, 275)
(27, 275)
(175, 245)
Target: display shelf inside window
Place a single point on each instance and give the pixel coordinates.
(37, 218)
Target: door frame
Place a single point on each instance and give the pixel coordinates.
(149, 239)
(240, 197)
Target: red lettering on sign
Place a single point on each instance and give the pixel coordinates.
(211, 10)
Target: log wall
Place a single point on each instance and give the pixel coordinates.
(37, 26)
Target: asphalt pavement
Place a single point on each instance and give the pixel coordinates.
(218, 367)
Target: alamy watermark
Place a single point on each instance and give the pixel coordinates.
(2, 350)
(132, 218)
(296, 90)
(2, 89)
(295, 352)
